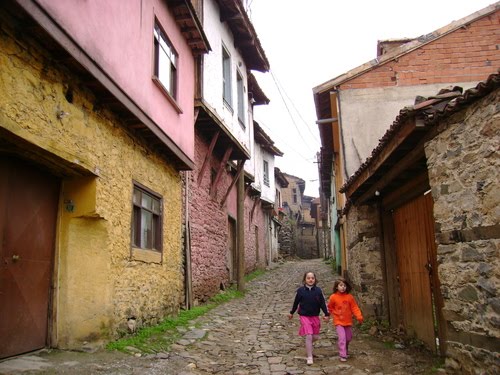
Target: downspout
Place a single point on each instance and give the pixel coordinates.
(187, 246)
(240, 213)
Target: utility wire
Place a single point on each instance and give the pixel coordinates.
(297, 111)
(268, 129)
(288, 110)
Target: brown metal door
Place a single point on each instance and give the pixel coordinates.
(28, 210)
(414, 238)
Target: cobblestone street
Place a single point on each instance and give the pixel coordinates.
(251, 335)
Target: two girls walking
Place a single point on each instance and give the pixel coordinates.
(308, 302)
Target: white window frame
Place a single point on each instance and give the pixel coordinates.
(165, 62)
(241, 97)
(266, 172)
(226, 77)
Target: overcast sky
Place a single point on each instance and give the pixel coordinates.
(310, 42)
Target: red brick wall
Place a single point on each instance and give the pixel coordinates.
(209, 228)
(467, 54)
(252, 260)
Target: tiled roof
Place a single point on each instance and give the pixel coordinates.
(431, 110)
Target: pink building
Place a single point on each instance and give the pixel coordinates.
(96, 126)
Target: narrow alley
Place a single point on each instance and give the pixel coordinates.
(251, 335)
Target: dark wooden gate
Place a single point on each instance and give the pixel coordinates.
(28, 212)
(416, 255)
(232, 254)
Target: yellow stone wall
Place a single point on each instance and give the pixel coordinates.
(99, 280)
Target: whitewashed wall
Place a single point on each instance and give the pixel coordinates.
(366, 114)
(268, 193)
(218, 35)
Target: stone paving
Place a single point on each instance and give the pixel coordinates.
(251, 335)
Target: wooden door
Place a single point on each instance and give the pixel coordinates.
(28, 211)
(232, 254)
(414, 235)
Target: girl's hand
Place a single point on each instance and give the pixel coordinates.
(326, 318)
(290, 316)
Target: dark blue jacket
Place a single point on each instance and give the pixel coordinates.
(309, 301)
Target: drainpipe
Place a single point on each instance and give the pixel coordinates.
(240, 213)
(187, 246)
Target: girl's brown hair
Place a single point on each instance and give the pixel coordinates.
(341, 280)
(305, 275)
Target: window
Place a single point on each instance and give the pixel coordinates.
(266, 173)
(165, 63)
(241, 101)
(146, 227)
(226, 77)
(294, 192)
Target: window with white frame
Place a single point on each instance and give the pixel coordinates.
(226, 77)
(146, 219)
(266, 173)
(241, 98)
(165, 62)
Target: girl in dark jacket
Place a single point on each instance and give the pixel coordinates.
(308, 301)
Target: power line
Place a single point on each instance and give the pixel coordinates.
(297, 111)
(268, 129)
(288, 110)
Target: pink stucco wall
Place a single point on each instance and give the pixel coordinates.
(118, 36)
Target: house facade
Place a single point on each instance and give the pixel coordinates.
(435, 224)
(387, 206)
(93, 146)
(264, 155)
(355, 109)
(225, 230)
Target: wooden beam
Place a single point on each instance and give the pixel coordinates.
(335, 124)
(401, 165)
(233, 182)
(407, 161)
(222, 168)
(413, 188)
(406, 130)
(207, 157)
(256, 200)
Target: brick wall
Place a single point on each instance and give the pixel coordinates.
(467, 54)
(209, 228)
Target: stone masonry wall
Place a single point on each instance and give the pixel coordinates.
(464, 165)
(286, 237)
(364, 262)
(99, 282)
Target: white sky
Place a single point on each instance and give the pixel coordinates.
(310, 42)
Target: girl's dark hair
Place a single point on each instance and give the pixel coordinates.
(342, 280)
(305, 275)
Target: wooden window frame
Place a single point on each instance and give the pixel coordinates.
(155, 242)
